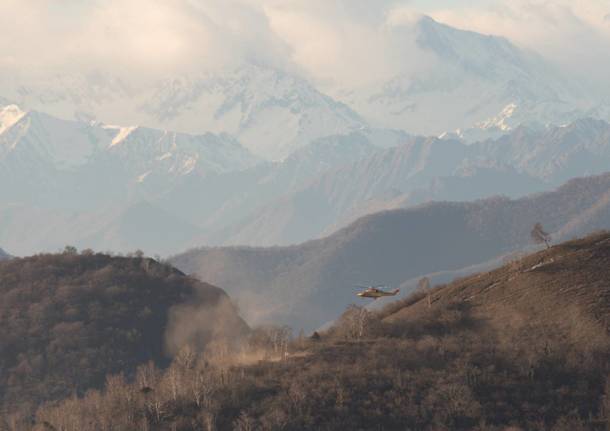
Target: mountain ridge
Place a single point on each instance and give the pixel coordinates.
(422, 169)
(433, 237)
(475, 77)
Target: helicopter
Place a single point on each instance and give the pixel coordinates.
(376, 292)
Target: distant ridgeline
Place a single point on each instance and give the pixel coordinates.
(307, 285)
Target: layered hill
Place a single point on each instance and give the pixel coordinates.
(68, 320)
(525, 346)
(307, 285)
(524, 161)
(325, 162)
(83, 178)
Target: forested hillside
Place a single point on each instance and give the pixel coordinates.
(68, 320)
(309, 284)
(524, 347)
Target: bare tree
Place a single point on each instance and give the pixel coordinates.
(540, 236)
(355, 322)
(280, 337)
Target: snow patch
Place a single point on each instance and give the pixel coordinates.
(10, 115)
(142, 177)
(122, 134)
(189, 165)
(500, 121)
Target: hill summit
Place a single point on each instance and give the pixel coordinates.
(68, 320)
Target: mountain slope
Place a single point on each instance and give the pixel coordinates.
(46, 159)
(554, 154)
(206, 181)
(272, 112)
(231, 196)
(524, 161)
(525, 346)
(65, 181)
(565, 279)
(465, 80)
(68, 320)
(456, 80)
(306, 285)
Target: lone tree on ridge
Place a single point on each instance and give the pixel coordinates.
(540, 236)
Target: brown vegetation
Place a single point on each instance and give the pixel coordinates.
(524, 347)
(68, 320)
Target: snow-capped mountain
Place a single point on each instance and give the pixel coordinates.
(473, 85)
(9, 115)
(149, 152)
(553, 154)
(194, 160)
(270, 111)
(69, 144)
(43, 158)
(472, 81)
(37, 137)
(84, 179)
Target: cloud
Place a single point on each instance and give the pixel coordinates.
(136, 37)
(574, 35)
(327, 40)
(348, 42)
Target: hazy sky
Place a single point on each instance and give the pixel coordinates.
(348, 40)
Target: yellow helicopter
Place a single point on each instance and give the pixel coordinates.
(376, 292)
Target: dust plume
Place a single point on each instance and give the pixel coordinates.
(199, 323)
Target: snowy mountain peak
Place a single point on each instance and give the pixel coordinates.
(10, 115)
(481, 54)
(272, 112)
(500, 121)
(38, 139)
